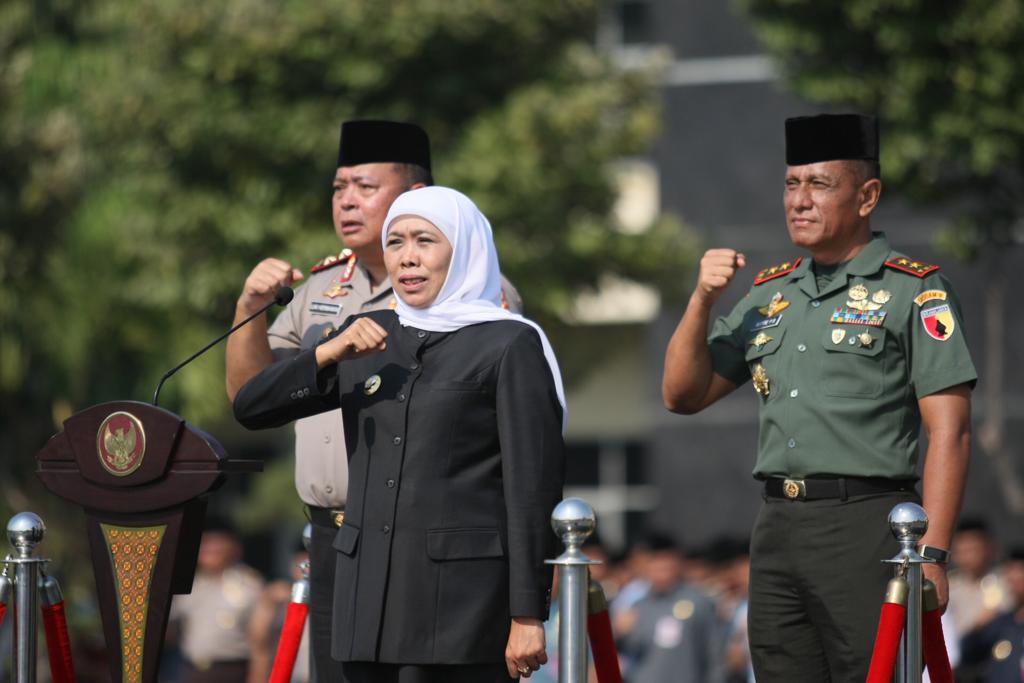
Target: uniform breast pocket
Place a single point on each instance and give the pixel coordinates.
(762, 344)
(854, 365)
(457, 386)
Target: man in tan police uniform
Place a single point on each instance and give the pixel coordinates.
(377, 161)
(214, 617)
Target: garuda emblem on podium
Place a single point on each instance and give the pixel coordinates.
(121, 443)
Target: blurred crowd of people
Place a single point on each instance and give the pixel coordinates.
(227, 629)
(677, 614)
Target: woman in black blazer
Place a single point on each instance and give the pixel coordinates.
(453, 411)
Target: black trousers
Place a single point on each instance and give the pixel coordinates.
(817, 583)
(322, 558)
(372, 672)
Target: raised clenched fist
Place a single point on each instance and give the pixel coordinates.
(362, 338)
(263, 282)
(717, 269)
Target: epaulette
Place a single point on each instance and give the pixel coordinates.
(777, 271)
(911, 266)
(331, 261)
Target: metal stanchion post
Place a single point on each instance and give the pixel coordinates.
(573, 520)
(307, 541)
(909, 522)
(300, 590)
(25, 531)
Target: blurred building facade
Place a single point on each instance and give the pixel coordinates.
(718, 165)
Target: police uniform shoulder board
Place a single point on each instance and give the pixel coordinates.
(776, 271)
(345, 255)
(907, 265)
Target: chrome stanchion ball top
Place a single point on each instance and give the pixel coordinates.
(908, 522)
(25, 531)
(574, 521)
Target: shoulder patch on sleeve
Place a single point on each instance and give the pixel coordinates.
(331, 261)
(907, 265)
(777, 271)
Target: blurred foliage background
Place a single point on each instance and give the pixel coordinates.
(154, 151)
(947, 82)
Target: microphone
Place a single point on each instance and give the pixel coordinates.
(281, 298)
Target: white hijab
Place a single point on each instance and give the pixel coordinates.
(472, 291)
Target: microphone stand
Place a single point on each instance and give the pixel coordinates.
(282, 297)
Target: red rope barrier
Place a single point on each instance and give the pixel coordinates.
(6, 588)
(288, 646)
(55, 624)
(936, 657)
(890, 629)
(58, 644)
(602, 642)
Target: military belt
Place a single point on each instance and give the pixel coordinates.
(330, 517)
(837, 488)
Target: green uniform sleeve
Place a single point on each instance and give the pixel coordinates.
(939, 357)
(726, 344)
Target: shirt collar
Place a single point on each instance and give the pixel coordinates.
(871, 257)
(868, 261)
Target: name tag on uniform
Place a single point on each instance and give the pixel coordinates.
(324, 308)
(767, 322)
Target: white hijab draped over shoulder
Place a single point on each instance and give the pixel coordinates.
(472, 291)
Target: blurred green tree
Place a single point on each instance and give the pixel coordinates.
(946, 80)
(154, 151)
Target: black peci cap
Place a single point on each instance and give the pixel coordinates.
(366, 142)
(827, 137)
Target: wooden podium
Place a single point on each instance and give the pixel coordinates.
(142, 474)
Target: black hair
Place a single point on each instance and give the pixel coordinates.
(413, 174)
(865, 170)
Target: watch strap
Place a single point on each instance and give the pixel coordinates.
(939, 555)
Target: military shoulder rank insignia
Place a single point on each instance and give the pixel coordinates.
(918, 268)
(777, 271)
(340, 284)
(333, 260)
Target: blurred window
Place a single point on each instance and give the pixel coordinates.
(636, 22)
(612, 476)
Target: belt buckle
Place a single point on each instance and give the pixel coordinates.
(338, 518)
(794, 489)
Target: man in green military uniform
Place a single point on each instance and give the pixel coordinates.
(851, 348)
